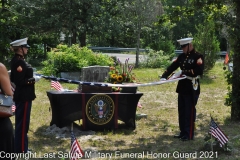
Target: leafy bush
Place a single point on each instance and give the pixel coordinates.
(155, 59)
(72, 59)
(229, 98)
(164, 45)
(206, 43)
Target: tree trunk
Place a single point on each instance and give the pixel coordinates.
(74, 37)
(82, 39)
(112, 40)
(235, 111)
(45, 50)
(137, 50)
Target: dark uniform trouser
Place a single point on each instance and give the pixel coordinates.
(187, 114)
(22, 121)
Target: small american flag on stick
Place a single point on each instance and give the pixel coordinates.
(76, 152)
(13, 108)
(56, 85)
(216, 132)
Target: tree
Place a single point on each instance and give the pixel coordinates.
(206, 43)
(76, 19)
(235, 45)
(8, 30)
(229, 18)
(226, 15)
(141, 13)
(183, 16)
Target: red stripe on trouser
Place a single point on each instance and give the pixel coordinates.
(24, 125)
(191, 123)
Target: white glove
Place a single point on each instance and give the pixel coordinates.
(37, 78)
(178, 73)
(162, 79)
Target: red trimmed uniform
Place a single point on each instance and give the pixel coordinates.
(24, 94)
(192, 65)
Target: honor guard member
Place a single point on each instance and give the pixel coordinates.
(24, 94)
(191, 64)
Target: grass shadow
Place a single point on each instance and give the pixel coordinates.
(206, 79)
(47, 144)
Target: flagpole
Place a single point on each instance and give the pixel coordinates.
(76, 150)
(211, 143)
(211, 135)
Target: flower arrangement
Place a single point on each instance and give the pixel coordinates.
(121, 72)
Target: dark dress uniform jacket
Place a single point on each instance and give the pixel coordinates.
(191, 65)
(22, 77)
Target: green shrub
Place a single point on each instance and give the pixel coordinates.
(155, 59)
(72, 59)
(206, 42)
(164, 45)
(229, 97)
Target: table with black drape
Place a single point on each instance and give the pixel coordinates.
(68, 107)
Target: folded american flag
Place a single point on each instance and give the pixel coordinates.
(56, 85)
(216, 132)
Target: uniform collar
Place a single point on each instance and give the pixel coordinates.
(21, 56)
(191, 52)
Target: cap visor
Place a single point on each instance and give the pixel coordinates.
(184, 45)
(26, 45)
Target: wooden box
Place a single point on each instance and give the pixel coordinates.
(94, 89)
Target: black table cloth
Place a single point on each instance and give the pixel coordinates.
(71, 106)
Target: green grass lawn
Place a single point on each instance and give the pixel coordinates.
(153, 134)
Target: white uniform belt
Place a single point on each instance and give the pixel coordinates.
(191, 78)
(194, 81)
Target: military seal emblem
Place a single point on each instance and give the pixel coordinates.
(100, 109)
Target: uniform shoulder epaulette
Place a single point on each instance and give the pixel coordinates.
(197, 53)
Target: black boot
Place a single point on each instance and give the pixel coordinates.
(184, 138)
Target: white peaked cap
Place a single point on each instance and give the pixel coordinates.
(20, 42)
(185, 41)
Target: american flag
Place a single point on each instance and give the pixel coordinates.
(76, 152)
(216, 132)
(13, 108)
(226, 59)
(56, 85)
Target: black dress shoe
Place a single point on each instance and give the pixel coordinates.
(177, 136)
(29, 150)
(184, 138)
